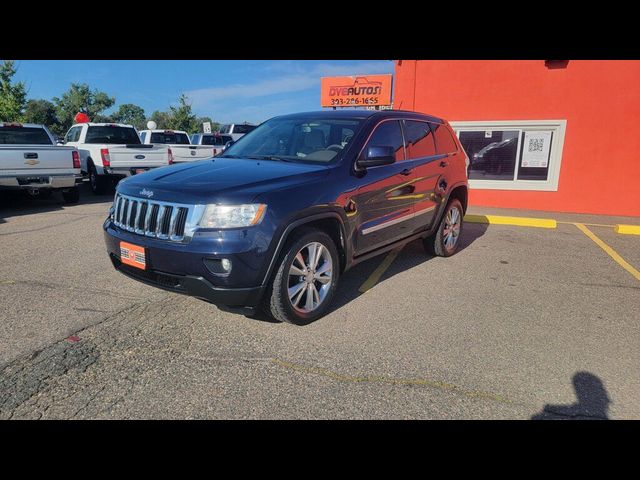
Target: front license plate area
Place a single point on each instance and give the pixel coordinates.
(133, 255)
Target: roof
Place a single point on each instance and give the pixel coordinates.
(362, 114)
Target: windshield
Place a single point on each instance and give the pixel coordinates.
(112, 134)
(318, 140)
(23, 136)
(172, 138)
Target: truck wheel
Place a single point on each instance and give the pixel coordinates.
(71, 195)
(306, 279)
(97, 182)
(444, 242)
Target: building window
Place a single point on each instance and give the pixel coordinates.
(513, 155)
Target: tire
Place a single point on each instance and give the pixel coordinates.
(98, 183)
(277, 301)
(439, 243)
(72, 195)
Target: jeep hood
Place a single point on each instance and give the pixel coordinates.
(219, 180)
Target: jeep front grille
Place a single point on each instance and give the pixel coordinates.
(163, 220)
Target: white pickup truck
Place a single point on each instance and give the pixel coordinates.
(237, 130)
(30, 160)
(112, 151)
(215, 140)
(178, 141)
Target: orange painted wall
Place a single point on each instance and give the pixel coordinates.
(600, 171)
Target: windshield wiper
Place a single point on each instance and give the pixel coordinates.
(267, 157)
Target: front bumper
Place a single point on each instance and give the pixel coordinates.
(192, 285)
(181, 267)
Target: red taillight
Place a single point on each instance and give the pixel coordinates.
(170, 156)
(76, 159)
(106, 158)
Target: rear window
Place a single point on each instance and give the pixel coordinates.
(24, 136)
(216, 140)
(112, 135)
(170, 137)
(243, 128)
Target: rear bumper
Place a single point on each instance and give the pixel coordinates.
(191, 285)
(128, 171)
(40, 181)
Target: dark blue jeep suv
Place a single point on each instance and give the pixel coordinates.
(271, 223)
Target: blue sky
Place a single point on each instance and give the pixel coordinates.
(225, 90)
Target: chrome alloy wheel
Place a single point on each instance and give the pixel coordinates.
(452, 228)
(310, 277)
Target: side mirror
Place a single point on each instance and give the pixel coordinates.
(228, 144)
(375, 156)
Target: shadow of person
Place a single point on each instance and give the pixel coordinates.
(593, 401)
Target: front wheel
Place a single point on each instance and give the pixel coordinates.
(445, 241)
(306, 279)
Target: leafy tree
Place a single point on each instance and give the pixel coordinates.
(80, 98)
(130, 114)
(12, 95)
(182, 118)
(162, 119)
(42, 112)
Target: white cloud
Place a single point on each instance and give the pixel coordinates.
(294, 78)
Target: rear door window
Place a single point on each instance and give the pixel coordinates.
(419, 139)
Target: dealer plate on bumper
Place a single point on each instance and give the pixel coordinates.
(133, 255)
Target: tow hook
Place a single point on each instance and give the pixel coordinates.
(33, 191)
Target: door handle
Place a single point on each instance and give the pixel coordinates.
(406, 171)
(443, 163)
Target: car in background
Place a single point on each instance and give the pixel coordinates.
(216, 140)
(110, 152)
(181, 147)
(237, 130)
(30, 160)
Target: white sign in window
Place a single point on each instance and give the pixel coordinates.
(535, 153)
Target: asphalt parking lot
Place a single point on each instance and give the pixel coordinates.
(521, 323)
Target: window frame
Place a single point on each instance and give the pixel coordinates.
(558, 127)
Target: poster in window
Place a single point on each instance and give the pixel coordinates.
(535, 149)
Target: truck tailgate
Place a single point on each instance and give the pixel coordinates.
(190, 153)
(138, 156)
(37, 159)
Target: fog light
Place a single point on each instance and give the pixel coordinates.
(226, 264)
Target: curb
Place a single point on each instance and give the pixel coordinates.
(517, 221)
(628, 229)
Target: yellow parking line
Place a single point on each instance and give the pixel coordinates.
(628, 229)
(610, 251)
(517, 221)
(377, 273)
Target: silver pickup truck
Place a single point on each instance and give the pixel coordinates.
(30, 160)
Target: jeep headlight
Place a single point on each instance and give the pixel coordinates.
(232, 216)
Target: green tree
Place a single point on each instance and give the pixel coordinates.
(162, 119)
(42, 112)
(182, 118)
(80, 98)
(12, 95)
(130, 114)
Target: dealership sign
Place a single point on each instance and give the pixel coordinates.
(356, 91)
